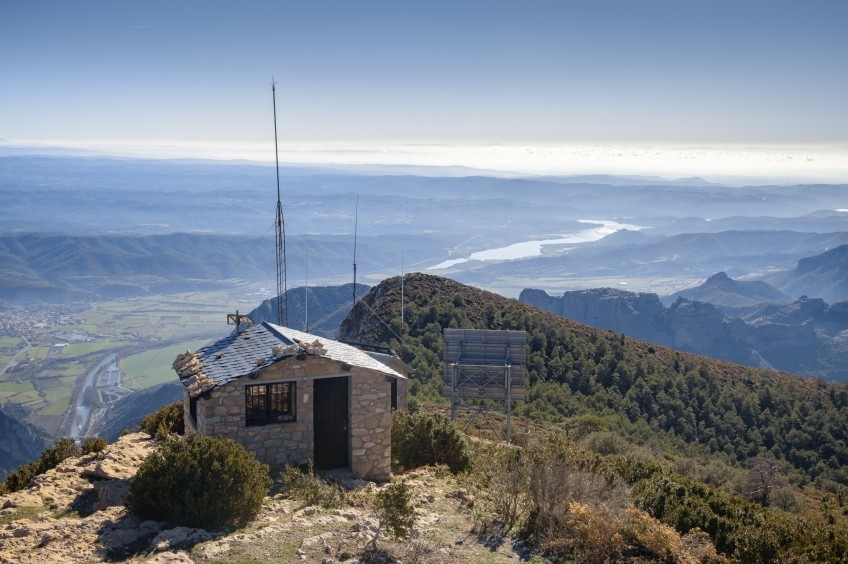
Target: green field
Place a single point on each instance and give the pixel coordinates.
(56, 406)
(16, 387)
(80, 349)
(192, 319)
(4, 361)
(38, 353)
(153, 367)
(9, 342)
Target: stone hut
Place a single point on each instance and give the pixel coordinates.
(290, 396)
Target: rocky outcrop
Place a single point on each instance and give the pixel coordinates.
(53, 521)
(74, 512)
(640, 315)
(793, 338)
(721, 290)
(823, 276)
(695, 326)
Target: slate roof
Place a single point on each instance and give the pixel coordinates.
(239, 354)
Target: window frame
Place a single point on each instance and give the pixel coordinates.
(264, 407)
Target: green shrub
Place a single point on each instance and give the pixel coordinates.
(396, 510)
(306, 485)
(93, 445)
(164, 421)
(428, 438)
(50, 458)
(199, 482)
(563, 481)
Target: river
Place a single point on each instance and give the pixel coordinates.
(80, 411)
(528, 249)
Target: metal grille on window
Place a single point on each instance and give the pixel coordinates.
(269, 403)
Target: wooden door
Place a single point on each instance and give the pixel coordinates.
(330, 413)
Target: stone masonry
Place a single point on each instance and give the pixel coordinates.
(221, 412)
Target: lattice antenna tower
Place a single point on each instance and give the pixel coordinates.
(355, 230)
(402, 324)
(280, 225)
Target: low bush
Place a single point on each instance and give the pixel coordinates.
(93, 445)
(741, 529)
(573, 505)
(199, 482)
(422, 439)
(396, 510)
(306, 485)
(165, 421)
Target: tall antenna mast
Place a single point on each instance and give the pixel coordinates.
(306, 296)
(401, 298)
(282, 298)
(355, 229)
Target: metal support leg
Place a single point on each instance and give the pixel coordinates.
(508, 388)
(453, 393)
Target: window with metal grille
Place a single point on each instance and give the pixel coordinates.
(269, 403)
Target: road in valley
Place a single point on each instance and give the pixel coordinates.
(80, 411)
(15, 358)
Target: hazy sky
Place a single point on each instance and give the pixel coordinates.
(362, 72)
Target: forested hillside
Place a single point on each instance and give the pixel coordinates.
(588, 379)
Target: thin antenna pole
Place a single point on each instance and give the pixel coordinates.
(282, 297)
(355, 230)
(306, 295)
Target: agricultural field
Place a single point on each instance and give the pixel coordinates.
(45, 370)
(153, 367)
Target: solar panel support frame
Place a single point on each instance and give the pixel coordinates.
(484, 364)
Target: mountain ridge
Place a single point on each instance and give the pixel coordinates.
(637, 388)
(721, 290)
(799, 337)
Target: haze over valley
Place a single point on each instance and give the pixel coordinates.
(141, 258)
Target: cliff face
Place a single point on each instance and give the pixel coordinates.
(696, 326)
(786, 338)
(19, 443)
(327, 306)
(638, 315)
(822, 276)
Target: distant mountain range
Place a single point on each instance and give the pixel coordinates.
(101, 209)
(327, 306)
(729, 294)
(806, 337)
(644, 256)
(61, 268)
(822, 276)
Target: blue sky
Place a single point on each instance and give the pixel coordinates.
(610, 72)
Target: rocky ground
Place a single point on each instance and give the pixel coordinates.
(74, 513)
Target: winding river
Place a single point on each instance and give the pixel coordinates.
(528, 249)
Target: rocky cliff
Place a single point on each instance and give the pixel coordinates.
(822, 276)
(19, 442)
(805, 337)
